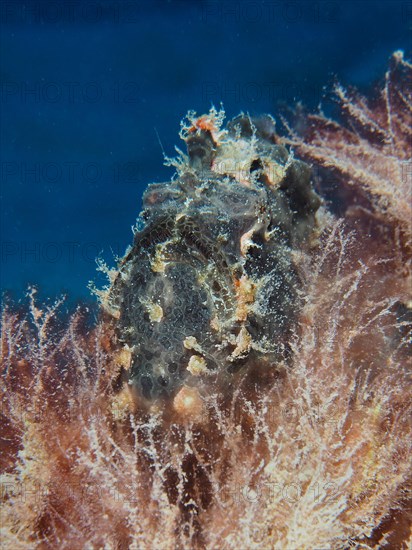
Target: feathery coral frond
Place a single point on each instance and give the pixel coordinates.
(372, 151)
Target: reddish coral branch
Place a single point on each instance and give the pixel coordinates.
(372, 151)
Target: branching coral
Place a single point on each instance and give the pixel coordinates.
(316, 455)
(370, 155)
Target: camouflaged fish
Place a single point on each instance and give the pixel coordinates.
(209, 283)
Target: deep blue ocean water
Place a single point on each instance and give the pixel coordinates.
(88, 89)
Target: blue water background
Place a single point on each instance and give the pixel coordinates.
(89, 89)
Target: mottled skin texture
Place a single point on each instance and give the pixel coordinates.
(181, 278)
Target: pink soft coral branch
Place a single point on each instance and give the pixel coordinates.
(372, 150)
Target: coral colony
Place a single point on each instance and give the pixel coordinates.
(248, 383)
